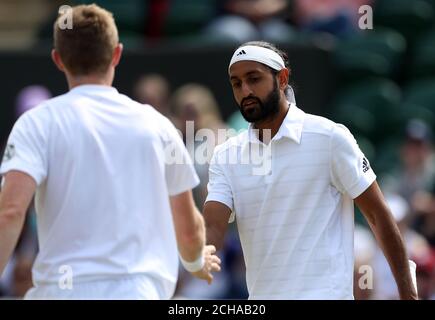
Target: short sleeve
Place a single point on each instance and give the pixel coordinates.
(218, 187)
(26, 149)
(180, 173)
(351, 172)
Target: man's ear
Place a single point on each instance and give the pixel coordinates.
(57, 60)
(117, 54)
(283, 78)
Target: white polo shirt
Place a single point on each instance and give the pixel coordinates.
(103, 187)
(296, 221)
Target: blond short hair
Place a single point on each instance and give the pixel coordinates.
(86, 48)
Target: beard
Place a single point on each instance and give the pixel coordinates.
(261, 110)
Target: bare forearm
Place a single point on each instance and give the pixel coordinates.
(391, 243)
(11, 224)
(215, 237)
(15, 198)
(216, 217)
(189, 226)
(190, 245)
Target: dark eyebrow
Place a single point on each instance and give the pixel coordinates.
(249, 73)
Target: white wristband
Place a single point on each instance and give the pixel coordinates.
(413, 269)
(193, 266)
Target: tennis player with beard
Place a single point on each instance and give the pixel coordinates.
(295, 213)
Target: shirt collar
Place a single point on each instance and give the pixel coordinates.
(291, 126)
(93, 88)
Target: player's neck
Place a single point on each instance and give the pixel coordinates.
(104, 80)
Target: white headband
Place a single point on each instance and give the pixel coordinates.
(258, 54)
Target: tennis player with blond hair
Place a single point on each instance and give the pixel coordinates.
(111, 207)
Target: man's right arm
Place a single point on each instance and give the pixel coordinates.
(219, 203)
(15, 198)
(216, 216)
(181, 178)
(190, 234)
(189, 226)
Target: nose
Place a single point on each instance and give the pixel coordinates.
(246, 90)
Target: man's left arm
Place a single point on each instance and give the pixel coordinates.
(15, 197)
(373, 206)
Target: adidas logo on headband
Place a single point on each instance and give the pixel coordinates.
(259, 54)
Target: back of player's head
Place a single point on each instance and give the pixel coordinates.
(88, 46)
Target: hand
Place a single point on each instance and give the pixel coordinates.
(409, 296)
(211, 264)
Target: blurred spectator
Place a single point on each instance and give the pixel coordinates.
(29, 97)
(153, 89)
(338, 17)
(196, 103)
(424, 207)
(416, 246)
(417, 169)
(245, 20)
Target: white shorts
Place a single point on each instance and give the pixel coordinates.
(126, 288)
